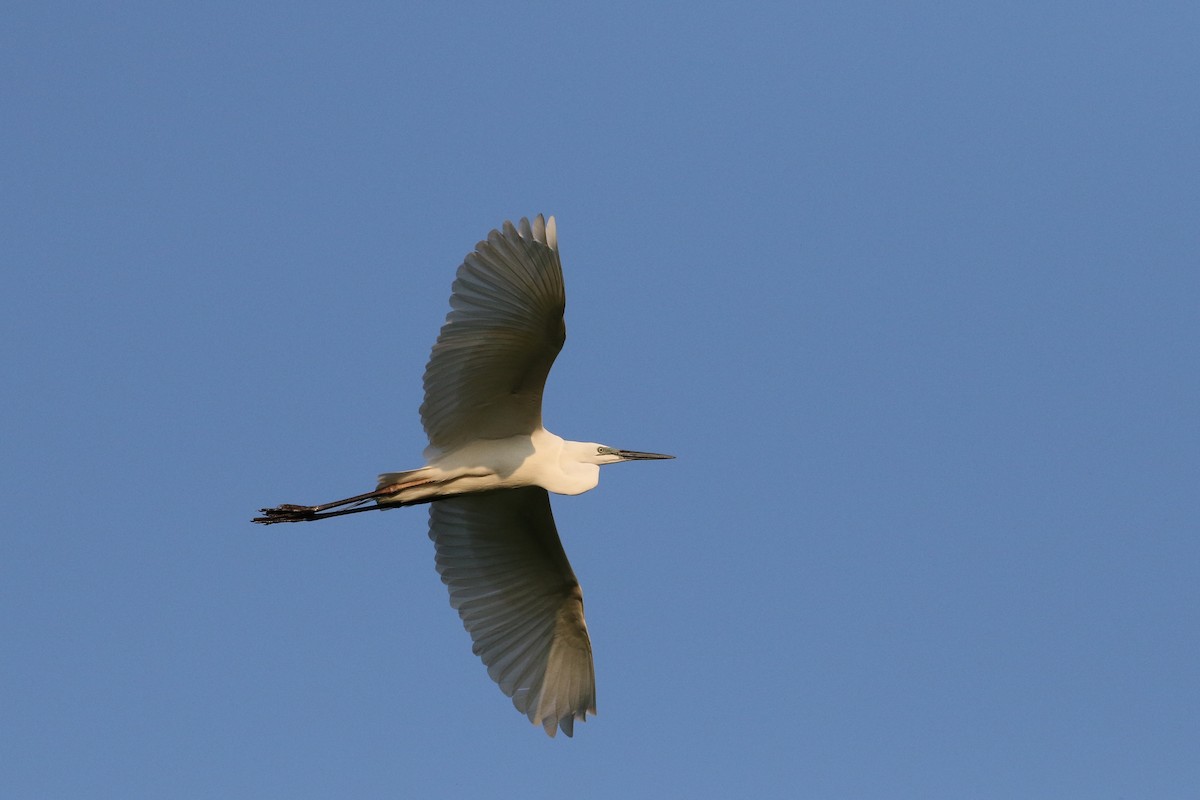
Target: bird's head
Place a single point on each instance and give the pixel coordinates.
(603, 454)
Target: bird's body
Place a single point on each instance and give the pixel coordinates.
(489, 466)
(539, 459)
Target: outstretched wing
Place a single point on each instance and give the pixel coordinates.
(500, 555)
(486, 373)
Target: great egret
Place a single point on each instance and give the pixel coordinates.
(490, 464)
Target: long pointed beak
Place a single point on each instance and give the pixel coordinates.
(634, 455)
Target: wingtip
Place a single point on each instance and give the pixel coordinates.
(540, 229)
(552, 725)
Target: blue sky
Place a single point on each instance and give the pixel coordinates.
(911, 289)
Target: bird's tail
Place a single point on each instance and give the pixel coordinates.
(404, 487)
(393, 478)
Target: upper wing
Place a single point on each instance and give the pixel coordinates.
(485, 377)
(500, 555)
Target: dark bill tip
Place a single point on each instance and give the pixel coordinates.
(634, 455)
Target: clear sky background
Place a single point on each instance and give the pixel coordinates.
(911, 289)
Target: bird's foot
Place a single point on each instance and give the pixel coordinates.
(286, 513)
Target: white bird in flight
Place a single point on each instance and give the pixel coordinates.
(489, 466)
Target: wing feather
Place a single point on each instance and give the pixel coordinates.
(499, 554)
(488, 368)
